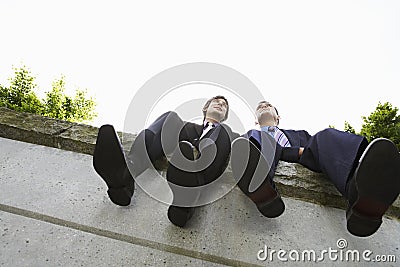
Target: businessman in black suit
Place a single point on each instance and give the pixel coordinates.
(367, 175)
(169, 137)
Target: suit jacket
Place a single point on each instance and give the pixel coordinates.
(221, 136)
(332, 152)
(297, 139)
(191, 132)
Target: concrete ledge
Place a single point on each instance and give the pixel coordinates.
(292, 180)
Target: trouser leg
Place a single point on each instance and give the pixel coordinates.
(109, 162)
(159, 139)
(255, 170)
(334, 153)
(253, 160)
(270, 152)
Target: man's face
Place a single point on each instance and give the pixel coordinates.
(217, 109)
(266, 111)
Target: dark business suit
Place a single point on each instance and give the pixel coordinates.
(332, 152)
(365, 174)
(162, 138)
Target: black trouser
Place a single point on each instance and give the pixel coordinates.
(334, 153)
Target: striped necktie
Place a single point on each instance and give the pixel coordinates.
(278, 135)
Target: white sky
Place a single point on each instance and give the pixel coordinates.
(320, 62)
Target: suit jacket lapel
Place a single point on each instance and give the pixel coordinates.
(199, 130)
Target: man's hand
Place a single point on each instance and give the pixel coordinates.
(301, 149)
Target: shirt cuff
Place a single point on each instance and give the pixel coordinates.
(290, 154)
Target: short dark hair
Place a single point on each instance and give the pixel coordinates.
(207, 104)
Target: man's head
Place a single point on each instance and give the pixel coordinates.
(267, 114)
(216, 108)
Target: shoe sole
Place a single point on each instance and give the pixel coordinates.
(120, 196)
(244, 160)
(179, 216)
(109, 163)
(377, 179)
(272, 209)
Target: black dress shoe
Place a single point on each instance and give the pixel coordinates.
(246, 158)
(179, 216)
(109, 163)
(374, 186)
(180, 212)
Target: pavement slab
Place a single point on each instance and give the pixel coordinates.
(47, 190)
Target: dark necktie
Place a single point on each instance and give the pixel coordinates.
(207, 128)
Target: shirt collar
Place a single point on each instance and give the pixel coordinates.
(269, 128)
(214, 123)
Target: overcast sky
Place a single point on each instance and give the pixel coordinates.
(320, 62)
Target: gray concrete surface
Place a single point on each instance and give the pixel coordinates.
(30, 242)
(54, 211)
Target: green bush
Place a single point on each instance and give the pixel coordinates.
(383, 122)
(21, 96)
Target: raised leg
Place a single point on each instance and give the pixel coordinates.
(249, 166)
(373, 188)
(109, 162)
